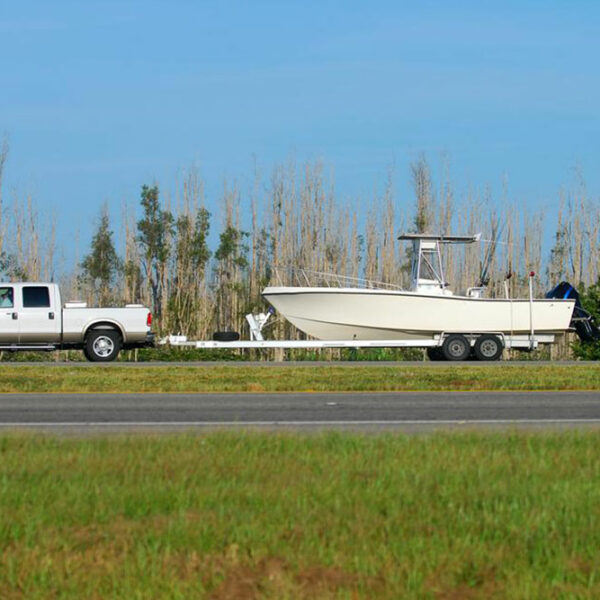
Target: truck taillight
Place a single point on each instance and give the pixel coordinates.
(149, 320)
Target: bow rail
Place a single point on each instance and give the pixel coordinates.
(298, 276)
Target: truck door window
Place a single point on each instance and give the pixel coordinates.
(6, 297)
(36, 297)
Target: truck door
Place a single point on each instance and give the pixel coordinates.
(39, 320)
(9, 324)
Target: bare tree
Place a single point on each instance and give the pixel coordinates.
(421, 179)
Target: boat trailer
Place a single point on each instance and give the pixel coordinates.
(446, 345)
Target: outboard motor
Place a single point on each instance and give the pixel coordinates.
(581, 320)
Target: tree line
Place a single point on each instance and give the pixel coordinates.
(201, 272)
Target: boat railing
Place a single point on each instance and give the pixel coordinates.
(298, 276)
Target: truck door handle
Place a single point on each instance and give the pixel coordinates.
(51, 315)
(15, 316)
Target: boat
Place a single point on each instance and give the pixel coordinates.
(343, 310)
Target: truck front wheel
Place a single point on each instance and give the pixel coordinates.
(102, 345)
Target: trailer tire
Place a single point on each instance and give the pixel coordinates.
(435, 354)
(488, 347)
(102, 345)
(456, 347)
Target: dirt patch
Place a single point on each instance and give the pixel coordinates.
(581, 566)
(242, 583)
(483, 584)
(120, 530)
(255, 387)
(250, 583)
(272, 578)
(331, 578)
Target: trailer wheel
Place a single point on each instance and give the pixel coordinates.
(435, 354)
(102, 345)
(488, 347)
(456, 347)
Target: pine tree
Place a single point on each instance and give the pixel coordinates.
(155, 230)
(191, 257)
(232, 262)
(102, 265)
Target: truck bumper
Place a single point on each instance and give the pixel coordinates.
(146, 343)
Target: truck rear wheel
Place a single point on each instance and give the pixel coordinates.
(102, 345)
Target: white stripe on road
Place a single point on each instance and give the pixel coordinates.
(290, 423)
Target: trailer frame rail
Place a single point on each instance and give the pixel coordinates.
(257, 322)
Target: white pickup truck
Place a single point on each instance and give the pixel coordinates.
(32, 317)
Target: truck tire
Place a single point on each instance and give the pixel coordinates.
(102, 345)
(456, 347)
(488, 347)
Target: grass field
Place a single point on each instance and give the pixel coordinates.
(273, 378)
(289, 516)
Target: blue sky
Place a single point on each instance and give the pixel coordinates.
(100, 97)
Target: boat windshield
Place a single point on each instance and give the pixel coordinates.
(426, 270)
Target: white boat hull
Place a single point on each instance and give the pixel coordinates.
(367, 314)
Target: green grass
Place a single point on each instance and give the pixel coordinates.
(273, 378)
(289, 516)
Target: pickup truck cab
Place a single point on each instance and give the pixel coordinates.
(32, 317)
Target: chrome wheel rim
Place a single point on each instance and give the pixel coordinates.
(103, 346)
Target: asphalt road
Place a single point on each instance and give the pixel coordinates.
(406, 411)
